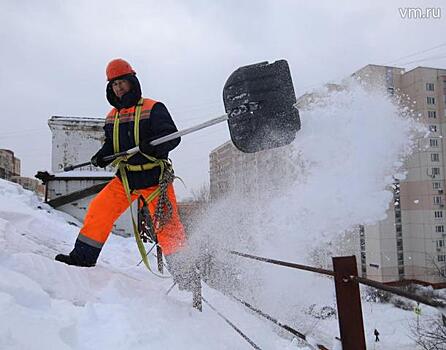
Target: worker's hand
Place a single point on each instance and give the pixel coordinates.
(98, 161)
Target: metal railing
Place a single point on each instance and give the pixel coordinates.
(348, 299)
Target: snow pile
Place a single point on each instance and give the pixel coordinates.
(116, 305)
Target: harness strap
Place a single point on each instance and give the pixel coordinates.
(135, 129)
(139, 242)
(136, 120)
(123, 167)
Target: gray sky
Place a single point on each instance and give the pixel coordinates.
(54, 54)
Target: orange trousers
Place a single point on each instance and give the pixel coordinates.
(112, 201)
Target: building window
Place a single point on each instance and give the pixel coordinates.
(435, 157)
(440, 243)
(432, 114)
(433, 142)
(436, 185)
(439, 228)
(438, 214)
(400, 258)
(432, 128)
(437, 200)
(429, 86)
(441, 258)
(435, 171)
(430, 100)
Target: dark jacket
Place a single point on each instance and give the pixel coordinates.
(155, 122)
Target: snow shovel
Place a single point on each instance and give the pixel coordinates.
(259, 102)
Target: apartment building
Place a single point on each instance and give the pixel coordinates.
(226, 165)
(250, 174)
(10, 168)
(409, 246)
(30, 184)
(9, 164)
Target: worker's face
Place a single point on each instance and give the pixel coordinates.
(121, 87)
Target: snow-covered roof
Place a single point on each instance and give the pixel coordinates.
(66, 121)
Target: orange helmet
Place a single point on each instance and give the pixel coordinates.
(117, 68)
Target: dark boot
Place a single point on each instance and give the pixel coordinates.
(83, 254)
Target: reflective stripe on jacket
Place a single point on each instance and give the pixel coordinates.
(155, 122)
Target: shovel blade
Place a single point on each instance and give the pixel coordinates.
(259, 100)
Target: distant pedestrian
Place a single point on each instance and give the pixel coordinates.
(376, 333)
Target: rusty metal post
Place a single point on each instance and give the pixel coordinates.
(348, 300)
(159, 259)
(197, 296)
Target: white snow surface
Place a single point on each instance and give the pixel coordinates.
(349, 148)
(116, 305)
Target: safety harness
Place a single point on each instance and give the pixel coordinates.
(163, 211)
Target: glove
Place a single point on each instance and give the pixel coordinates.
(98, 161)
(146, 148)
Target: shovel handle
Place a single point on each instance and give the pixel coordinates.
(190, 130)
(72, 167)
(172, 136)
(158, 141)
(124, 153)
